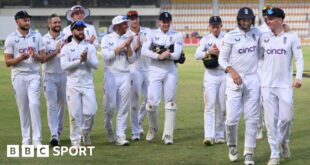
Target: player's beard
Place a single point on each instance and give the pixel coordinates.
(56, 29)
(24, 28)
(79, 37)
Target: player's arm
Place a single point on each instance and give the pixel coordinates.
(224, 61)
(92, 60)
(52, 55)
(106, 52)
(131, 54)
(93, 39)
(9, 54)
(178, 47)
(201, 51)
(65, 63)
(145, 51)
(299, 61)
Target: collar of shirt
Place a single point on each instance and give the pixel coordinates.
(19, 34)
(48, 34)
(243, 32)
(134, 33)
(168, 32)
(279, 35)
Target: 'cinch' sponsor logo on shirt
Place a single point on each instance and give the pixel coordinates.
(247, 50)
(276, 51)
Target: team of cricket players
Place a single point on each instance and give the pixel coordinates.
(248, 69)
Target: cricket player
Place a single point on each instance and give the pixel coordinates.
(54, 79)
(139, 72)
(79, 59)
(214, 83)
(239, 58)
(24, 51)
(279, 48)
(163, 76)
(118, 54)
(76, 13)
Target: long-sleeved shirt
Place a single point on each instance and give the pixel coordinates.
(278, 51)
(16, 44)
(79, 74)
(116, 62)
(206, 43)
(141, 63)
(165, 39)
(240, 51)
(89, 30)
(53, 65)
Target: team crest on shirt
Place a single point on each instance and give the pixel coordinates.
(16, 41)
(237, 39)
(111, 43)
(209, 44)
(72, 50)
(48, 42)
(156, 38)
(34, 39)
(266, 40)
(284, 40)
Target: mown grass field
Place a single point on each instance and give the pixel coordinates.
(188, 137)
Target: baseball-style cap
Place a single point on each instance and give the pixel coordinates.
(132, 14)
(215, 20)
(77, 24)
(165, 16)
(265, 9)
(75, 8)
(276, 12)
(117, 20)
(22, 14)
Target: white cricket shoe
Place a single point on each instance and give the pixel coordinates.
(233, 154)
(168, 140)
(219, 141)
(76, 146)
(36, 143)
(273, 161)
(259, 134)
(248, 159)
(135, 137)
(150, 135)
(121, 141)
(86, 140)
(285, 150)
(111, 135)
(208, 141)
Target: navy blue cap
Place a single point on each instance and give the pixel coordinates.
(22, 14)
(276, 12)
(215, 20)
(77, 24)
(165, 16)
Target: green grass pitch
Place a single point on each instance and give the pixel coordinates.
(188, 136)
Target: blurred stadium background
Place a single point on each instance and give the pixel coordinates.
(189, 16)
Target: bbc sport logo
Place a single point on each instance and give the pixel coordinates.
(28, 151)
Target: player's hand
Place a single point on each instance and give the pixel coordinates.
(58, 47)
(164, 55)
(234, 75)
(214, 50)
(297, 83)
(139, 44)
(31, 52)
(84, 56)
(24, 56)
(92, 39)
(128, 41)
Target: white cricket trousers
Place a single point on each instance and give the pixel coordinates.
(82, 106)
(54, 87)
(279, 113)
(139, 87)
(116, 96)
(27, 94)
(246, 100)
(261, 123)
(214, 94)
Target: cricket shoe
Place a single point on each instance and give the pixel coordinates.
(233, 154)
